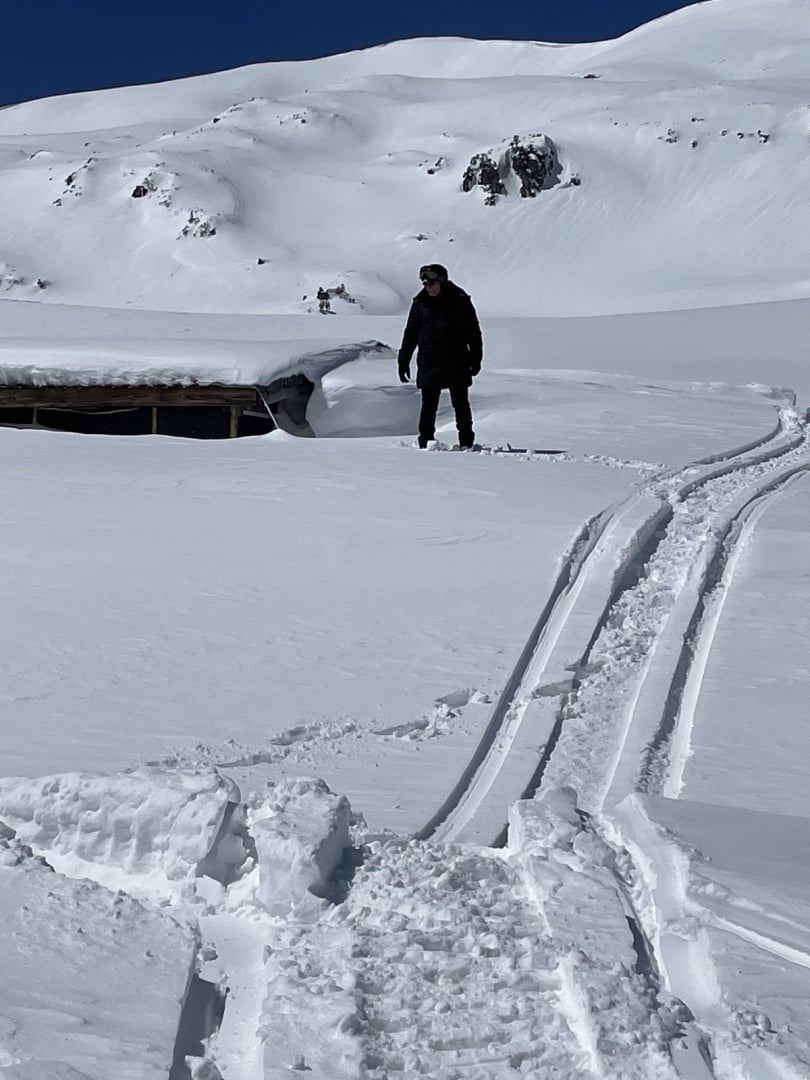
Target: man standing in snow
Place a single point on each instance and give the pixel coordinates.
(443, 324)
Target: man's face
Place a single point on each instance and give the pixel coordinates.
(433, 285)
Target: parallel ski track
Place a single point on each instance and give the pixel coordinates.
(573, 564)
(590, 559)
(662, 768)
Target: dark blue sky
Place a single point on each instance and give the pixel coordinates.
(57, 46)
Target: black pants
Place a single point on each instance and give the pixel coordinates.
(460, 399)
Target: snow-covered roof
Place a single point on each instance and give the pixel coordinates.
(169, 363)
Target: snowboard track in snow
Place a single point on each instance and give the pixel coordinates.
(572, 563)
(620, 547)
(670, 741)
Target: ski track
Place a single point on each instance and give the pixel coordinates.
(625, 572)
(597, 716)
(669, 751)
(738, 1044)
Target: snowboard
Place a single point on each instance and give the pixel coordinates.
(507, 449)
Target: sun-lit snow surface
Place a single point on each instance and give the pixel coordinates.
(689, 139)
(198, 638)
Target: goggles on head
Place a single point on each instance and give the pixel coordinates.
(427, 277)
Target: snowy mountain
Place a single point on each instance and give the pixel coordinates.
(681, 176)
(332, 757)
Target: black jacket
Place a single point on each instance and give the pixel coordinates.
(447, 334)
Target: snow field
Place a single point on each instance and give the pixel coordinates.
(265, 859)
(384, 966)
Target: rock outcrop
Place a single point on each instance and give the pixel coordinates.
(531, 160)
(531, 164)
(483, 172)
(199, 224)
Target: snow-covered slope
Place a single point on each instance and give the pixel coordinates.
(688, 136)
(268, 706)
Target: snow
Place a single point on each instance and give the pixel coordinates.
(93, 981)
(146, 830)
(730, 915)
(326, 755)
(301, 832)
(760, 670)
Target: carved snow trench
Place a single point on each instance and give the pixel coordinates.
(200, 1018)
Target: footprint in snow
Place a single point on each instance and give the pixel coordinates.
(438, 720)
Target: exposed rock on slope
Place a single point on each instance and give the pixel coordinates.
(531, 160)
(484, 173)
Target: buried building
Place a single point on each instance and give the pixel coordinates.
(201, 393)
(191, 410)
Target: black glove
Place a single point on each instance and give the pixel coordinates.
(475, 368)
(404, 372)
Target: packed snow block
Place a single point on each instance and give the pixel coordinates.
(151, 826)
(93, 982)
(301, 832)
(550, 821)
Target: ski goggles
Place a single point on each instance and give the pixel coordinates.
(427, 277)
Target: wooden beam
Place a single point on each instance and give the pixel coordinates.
(123, 397)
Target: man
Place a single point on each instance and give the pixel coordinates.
(443, 324)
